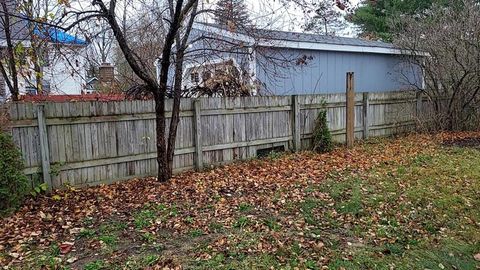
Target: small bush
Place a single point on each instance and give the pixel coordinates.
(4, 118)
(322, 138)
(13, 183)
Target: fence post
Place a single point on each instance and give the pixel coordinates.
(366, 113)
(296, 124)
(350, 110)
(197, 128)
(419, 104)
(44, 151)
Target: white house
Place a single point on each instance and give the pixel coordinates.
(63, 60)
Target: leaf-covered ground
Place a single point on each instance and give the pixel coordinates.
(404, 203)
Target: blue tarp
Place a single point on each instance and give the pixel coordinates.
(59, 36)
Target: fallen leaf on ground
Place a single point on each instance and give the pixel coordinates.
(477, 257)
(66, 247)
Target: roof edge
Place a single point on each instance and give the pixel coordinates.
(304, 45)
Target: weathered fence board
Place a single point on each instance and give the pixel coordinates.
(100, 142)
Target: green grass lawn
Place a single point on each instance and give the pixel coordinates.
(418, 212)
(420, 215)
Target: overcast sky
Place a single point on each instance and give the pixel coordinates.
(273, 14)
(270, 14)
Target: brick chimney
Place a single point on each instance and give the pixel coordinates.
(106, 74)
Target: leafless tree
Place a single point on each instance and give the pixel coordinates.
(8, 62)
(445, 43)
(176, 47)
(101, 41)
(180, 15)
(146, 32)
(37, 51)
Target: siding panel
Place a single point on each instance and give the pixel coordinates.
(326, 72)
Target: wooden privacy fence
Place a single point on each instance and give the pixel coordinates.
(88, 143)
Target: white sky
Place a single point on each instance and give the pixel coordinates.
(273, 14)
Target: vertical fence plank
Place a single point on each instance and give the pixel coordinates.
(45, 155)
(350, 110)
(197, 131)
(366, 113)
(418, 109)
(419, 103)
(297, 144)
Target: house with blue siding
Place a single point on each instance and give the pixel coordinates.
(287, 63)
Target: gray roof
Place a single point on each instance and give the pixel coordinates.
(323, 39)
(306, 37)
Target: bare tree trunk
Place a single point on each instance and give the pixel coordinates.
(37, 68)
(38, 76)
(173, 34)
(177, 91)
(157, 88)
(177, 87)
(36, 49)
(7, 80)
(165, 155)
(13, 84)
(163, 170)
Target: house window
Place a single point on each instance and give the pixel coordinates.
(30, 90)
(194, 77)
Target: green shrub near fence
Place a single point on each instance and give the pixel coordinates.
(322, 138)
(13, 183)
